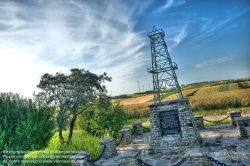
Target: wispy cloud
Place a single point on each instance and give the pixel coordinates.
(167, 5)
(207, 21)
(59, 35)
(180, 36)
(210, 26)
(215, 62)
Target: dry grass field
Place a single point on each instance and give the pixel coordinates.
(137, 100)
(245, 84)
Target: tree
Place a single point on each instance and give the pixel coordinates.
(80, 88)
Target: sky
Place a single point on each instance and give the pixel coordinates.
(209, 40)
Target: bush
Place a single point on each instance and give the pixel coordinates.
(98, 121)
(23, 127)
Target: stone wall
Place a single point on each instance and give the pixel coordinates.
(174, 143)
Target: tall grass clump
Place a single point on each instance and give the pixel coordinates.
(58, 153)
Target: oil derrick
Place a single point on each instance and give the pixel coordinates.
(163, 69)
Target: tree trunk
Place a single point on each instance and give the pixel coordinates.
(61, 136)
(72, 123)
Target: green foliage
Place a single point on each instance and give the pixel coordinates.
(81, 142)
(98, 121)
(23, 126)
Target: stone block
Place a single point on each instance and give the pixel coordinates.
(125, 136)
(199, 122)
(80, 159)
(233, 115)
(195, 157)
(242, 122)
(137, 128)
(248, 130)
(130, 157)
(110, 147)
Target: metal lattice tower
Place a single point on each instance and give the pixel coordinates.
(163, 69)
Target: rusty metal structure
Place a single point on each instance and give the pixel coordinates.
(163, 69)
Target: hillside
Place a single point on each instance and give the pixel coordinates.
(226, 94)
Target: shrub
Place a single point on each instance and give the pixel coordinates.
(98, 121)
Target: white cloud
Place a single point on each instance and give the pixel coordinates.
(56, 36)
(214, 62)
(20, 71)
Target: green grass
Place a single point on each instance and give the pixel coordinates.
(81, 141)
(217, 123)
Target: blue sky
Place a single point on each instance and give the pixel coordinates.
(209, 40)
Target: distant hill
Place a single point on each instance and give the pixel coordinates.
(208, 95)
(192, 89)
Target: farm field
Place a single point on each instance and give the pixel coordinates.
(137, 100)
(225, 95)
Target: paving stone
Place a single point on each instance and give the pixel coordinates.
(221, 141)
